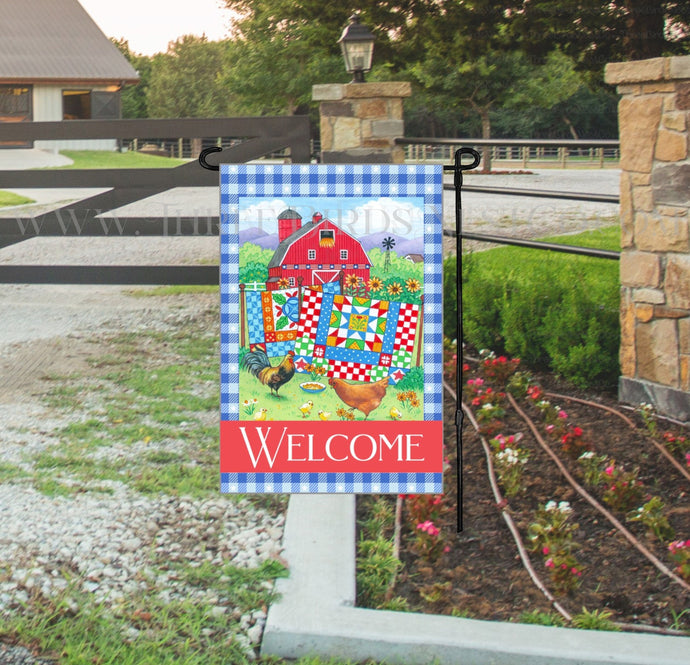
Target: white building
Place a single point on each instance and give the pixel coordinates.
(56, 64)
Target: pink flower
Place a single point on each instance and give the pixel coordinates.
(550, 428)
(479, 382)
(446, 548)
(687, 458)
(608, 470)
(428, 527)
(574, 571)
(562, 414)
(549, 563)
(470, 382)
(545, 549)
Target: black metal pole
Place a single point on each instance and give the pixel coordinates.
(458, 169)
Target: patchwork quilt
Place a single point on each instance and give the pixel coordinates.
(360, 339)
(273, 317)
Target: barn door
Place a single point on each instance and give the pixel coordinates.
(105, 105)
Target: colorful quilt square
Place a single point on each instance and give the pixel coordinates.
(271, 319)
(361, 338)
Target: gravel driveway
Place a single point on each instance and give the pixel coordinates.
(49, 330)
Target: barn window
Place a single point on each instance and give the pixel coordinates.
(291, 281)
(343, 255)
(327, 238)
(76, 104)
(91, 104)
(311, 254)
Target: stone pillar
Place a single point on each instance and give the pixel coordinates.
(360, 121)
(654, 118)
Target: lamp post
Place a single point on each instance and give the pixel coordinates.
(357, 45)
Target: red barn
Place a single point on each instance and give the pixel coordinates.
(316, 252)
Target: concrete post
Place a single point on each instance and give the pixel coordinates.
(360, 121)
(654, 117)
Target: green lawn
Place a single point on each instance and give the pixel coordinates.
(103, 159)
(11, 199)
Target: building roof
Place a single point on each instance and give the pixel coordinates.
(56, 40)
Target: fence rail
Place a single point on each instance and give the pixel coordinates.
(252, 138)
(518, 152)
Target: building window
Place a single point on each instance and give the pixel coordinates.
(343, 255)
(76, 104)
(291, 281)
(327, 238)
(91, 104)
(311, 254)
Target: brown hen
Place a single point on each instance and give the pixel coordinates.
(364, 397)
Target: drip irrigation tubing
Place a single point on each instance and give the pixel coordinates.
(502, 504)
(662, 449)
(594, 503)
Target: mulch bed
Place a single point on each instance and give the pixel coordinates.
(482, 576)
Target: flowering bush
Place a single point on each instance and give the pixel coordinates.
(519, 384)
(651, 514)
(509, 459)
(592, 467)
(425, 511)
(572, 442)
(680, 552)
(498, 369)
(551, 534)
(622, 489)
(678, 444)
(647, 413)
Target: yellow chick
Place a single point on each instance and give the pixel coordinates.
(306, 408)
(395, 414)
(324, 415)
(261, 415)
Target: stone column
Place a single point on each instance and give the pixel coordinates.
(360, 121)
(654, 117)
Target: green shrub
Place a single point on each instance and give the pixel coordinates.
(556, 312)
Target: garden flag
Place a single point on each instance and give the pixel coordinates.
(331, 329)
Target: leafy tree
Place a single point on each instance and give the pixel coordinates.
(134, 97)
(594, 32)
(185, 81)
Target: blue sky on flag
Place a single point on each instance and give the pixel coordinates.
(358, 216)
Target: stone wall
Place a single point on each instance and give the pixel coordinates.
(654, 118)
(360, 121)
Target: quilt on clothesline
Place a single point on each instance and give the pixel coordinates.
(272, 319)
(360, 339)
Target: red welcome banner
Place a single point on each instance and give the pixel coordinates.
(301, 447)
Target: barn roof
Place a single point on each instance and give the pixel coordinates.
(56, 40)
(282, 248)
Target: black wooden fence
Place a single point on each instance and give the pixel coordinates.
(255, 138)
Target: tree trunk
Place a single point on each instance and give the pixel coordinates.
(644, 37)
(569, 124)
(486, 134)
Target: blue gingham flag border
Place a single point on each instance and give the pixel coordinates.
(326, 180)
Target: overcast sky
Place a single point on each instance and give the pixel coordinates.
(149, 25)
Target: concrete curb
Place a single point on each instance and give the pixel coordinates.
(316, 615)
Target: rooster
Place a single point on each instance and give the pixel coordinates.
(259, 365)
(363, 397)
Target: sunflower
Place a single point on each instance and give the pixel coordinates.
(375, 284)
(394, 289)
(413, 285)
(352, 281)
(283, 283)
(414, 402)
